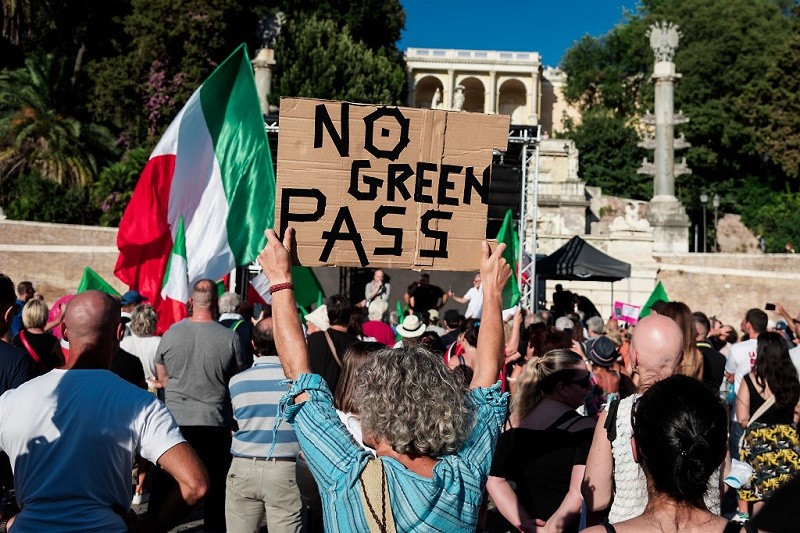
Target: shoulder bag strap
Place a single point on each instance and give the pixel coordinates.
(769, 402)
(333, 348)
(611, 420)
(30, 349)
(375, 498)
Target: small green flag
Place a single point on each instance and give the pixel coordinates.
(91, 280)
(510, 237)
(399, 312)
(658, 294)
(307, 288)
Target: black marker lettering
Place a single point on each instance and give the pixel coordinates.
(322, 118)
(335, 234)
(286, 214)
(426, 230)
(397, 248)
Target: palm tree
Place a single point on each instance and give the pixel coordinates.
(36, 136)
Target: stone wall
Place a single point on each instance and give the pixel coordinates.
(53, 256)
(727, 285)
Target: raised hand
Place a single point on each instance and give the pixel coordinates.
(276, 257)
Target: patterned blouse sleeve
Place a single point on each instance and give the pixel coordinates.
(329, 449)
(490, 406)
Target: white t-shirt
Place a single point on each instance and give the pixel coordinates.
(475, 305)
(794, 354)
(145, 349)
(741, 361)
(71, 436)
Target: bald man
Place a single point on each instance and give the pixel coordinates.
(656, 352)
(72, 435)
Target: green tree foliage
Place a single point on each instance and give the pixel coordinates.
(777, 218)
(772, 104)
(43, 200)
(376, 23)
(607, 142)
(732, 54)
(171, 47)
(37, 137)
(323, 61)
(114, 187)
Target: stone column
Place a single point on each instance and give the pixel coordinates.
(665, 213)
(664, 155)
(490, 105)
(448, 91)
(262, 70)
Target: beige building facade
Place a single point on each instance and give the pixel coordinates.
(489, 81)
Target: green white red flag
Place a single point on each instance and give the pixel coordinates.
(213, 171)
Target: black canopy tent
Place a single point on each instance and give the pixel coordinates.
(577, 260)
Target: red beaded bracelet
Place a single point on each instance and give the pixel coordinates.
(280, 286)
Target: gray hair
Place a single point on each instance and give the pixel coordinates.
(143, 320)
(563, 323)
(408, 397)
(595, 324)
(228, 302)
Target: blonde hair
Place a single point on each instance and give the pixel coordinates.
(692, 363)
(34, 314)
(531, 388)
(143, 320)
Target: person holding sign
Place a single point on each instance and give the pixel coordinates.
(433, 443)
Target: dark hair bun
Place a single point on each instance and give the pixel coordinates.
(683, 427)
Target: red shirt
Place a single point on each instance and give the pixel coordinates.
(380, 331)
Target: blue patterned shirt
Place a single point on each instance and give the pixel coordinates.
(447, 502)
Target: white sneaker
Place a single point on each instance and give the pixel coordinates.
(139, 499)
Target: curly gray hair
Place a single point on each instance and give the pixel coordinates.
(228, 302)
(408, 397)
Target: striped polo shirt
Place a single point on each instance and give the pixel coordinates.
(254, 395)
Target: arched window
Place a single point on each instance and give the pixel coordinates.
(474, 95)
(425, 89)
(512, 101)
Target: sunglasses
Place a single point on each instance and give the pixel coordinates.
(584, 382)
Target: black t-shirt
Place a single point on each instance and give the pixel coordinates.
(540, 463)
(321, 359)
(46, 346)
(713, 365)
(244, 329)
(426, 297)
(128, 367)
(16, 367)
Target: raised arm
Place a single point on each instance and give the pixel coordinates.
(276, 261)
(495, 272)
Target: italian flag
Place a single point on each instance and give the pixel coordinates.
(205, 196)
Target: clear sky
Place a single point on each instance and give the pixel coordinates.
(549, 27)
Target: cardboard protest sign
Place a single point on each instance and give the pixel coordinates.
(385, 186)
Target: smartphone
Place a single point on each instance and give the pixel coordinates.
(769, 307)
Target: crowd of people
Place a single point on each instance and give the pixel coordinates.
(352, 418)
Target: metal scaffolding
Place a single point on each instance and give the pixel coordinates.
(528, 213)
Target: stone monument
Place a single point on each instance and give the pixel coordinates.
(270, 28)
(666, 214)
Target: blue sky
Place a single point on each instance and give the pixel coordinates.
(549, 27)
